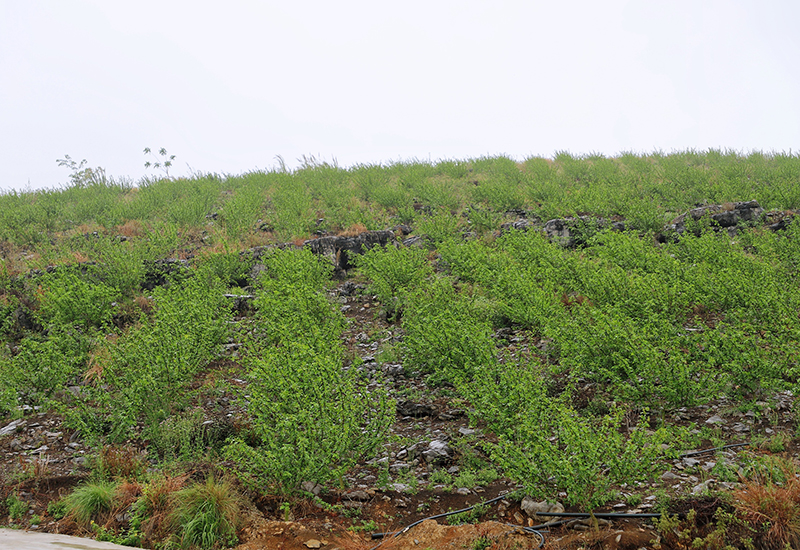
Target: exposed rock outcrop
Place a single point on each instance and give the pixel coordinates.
(568, 232)
(339, 249)
(728, 215)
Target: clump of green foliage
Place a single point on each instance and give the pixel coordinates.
(312, 418)
(89, 501)
(207, 515)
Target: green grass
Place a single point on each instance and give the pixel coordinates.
(207, 515)
(89, 501)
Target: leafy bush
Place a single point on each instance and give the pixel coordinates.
(546, 445)
(153, 364)
(444, 335)
(439, 226)
(42, 367)
(394, 271)
(312, 419)
(289, 301)
(17, 508)
(68, 299)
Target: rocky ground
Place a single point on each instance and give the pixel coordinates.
(433, 463)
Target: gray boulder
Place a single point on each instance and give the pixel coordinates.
(438, 451)
(728, 215)
(533, 508)
(339, 249)
(572, 232)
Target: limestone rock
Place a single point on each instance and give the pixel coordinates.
(339, 249)
(722, 215)
(438, 451)
(532, 508)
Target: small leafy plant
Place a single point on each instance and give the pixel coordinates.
(163, 161)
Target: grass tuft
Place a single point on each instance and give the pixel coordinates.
(207, 513)
(90, 501)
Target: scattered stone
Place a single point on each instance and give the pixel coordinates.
(311, 487)
(438, 451)
(703, 487)
(716, 419)
(722, 215)
(467, 431)
(394, 369)
(532, 508)
(339, 249)
(572, 232)
(313, 543)
(12, 427)
(398, 467)
(360, 496)
(584, 524)
(415, 410)
(669, 476)
(690, 462)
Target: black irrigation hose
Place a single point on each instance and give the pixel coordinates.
(574, 515)
(604, 515)
(529, 530)
(704, 451)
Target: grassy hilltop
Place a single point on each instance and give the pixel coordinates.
(196, 360)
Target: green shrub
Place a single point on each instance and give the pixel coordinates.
(152, 366)
(394, 271)
(57, 509)
(312, 418)
(444, 335)
(17, 508)
(545, 444)
(68, 299)
(439, 226)
(42, 367)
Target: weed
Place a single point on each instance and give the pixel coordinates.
(163, 163)
(17, 508)
(481, 543)
(441, 476)
(633, 500)
(470, 516)
(777, 443)
(117, 463)
(57, 509)
(366, 526)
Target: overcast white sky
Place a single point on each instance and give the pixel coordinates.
(228, 86)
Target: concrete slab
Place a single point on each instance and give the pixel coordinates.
(17, 539)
